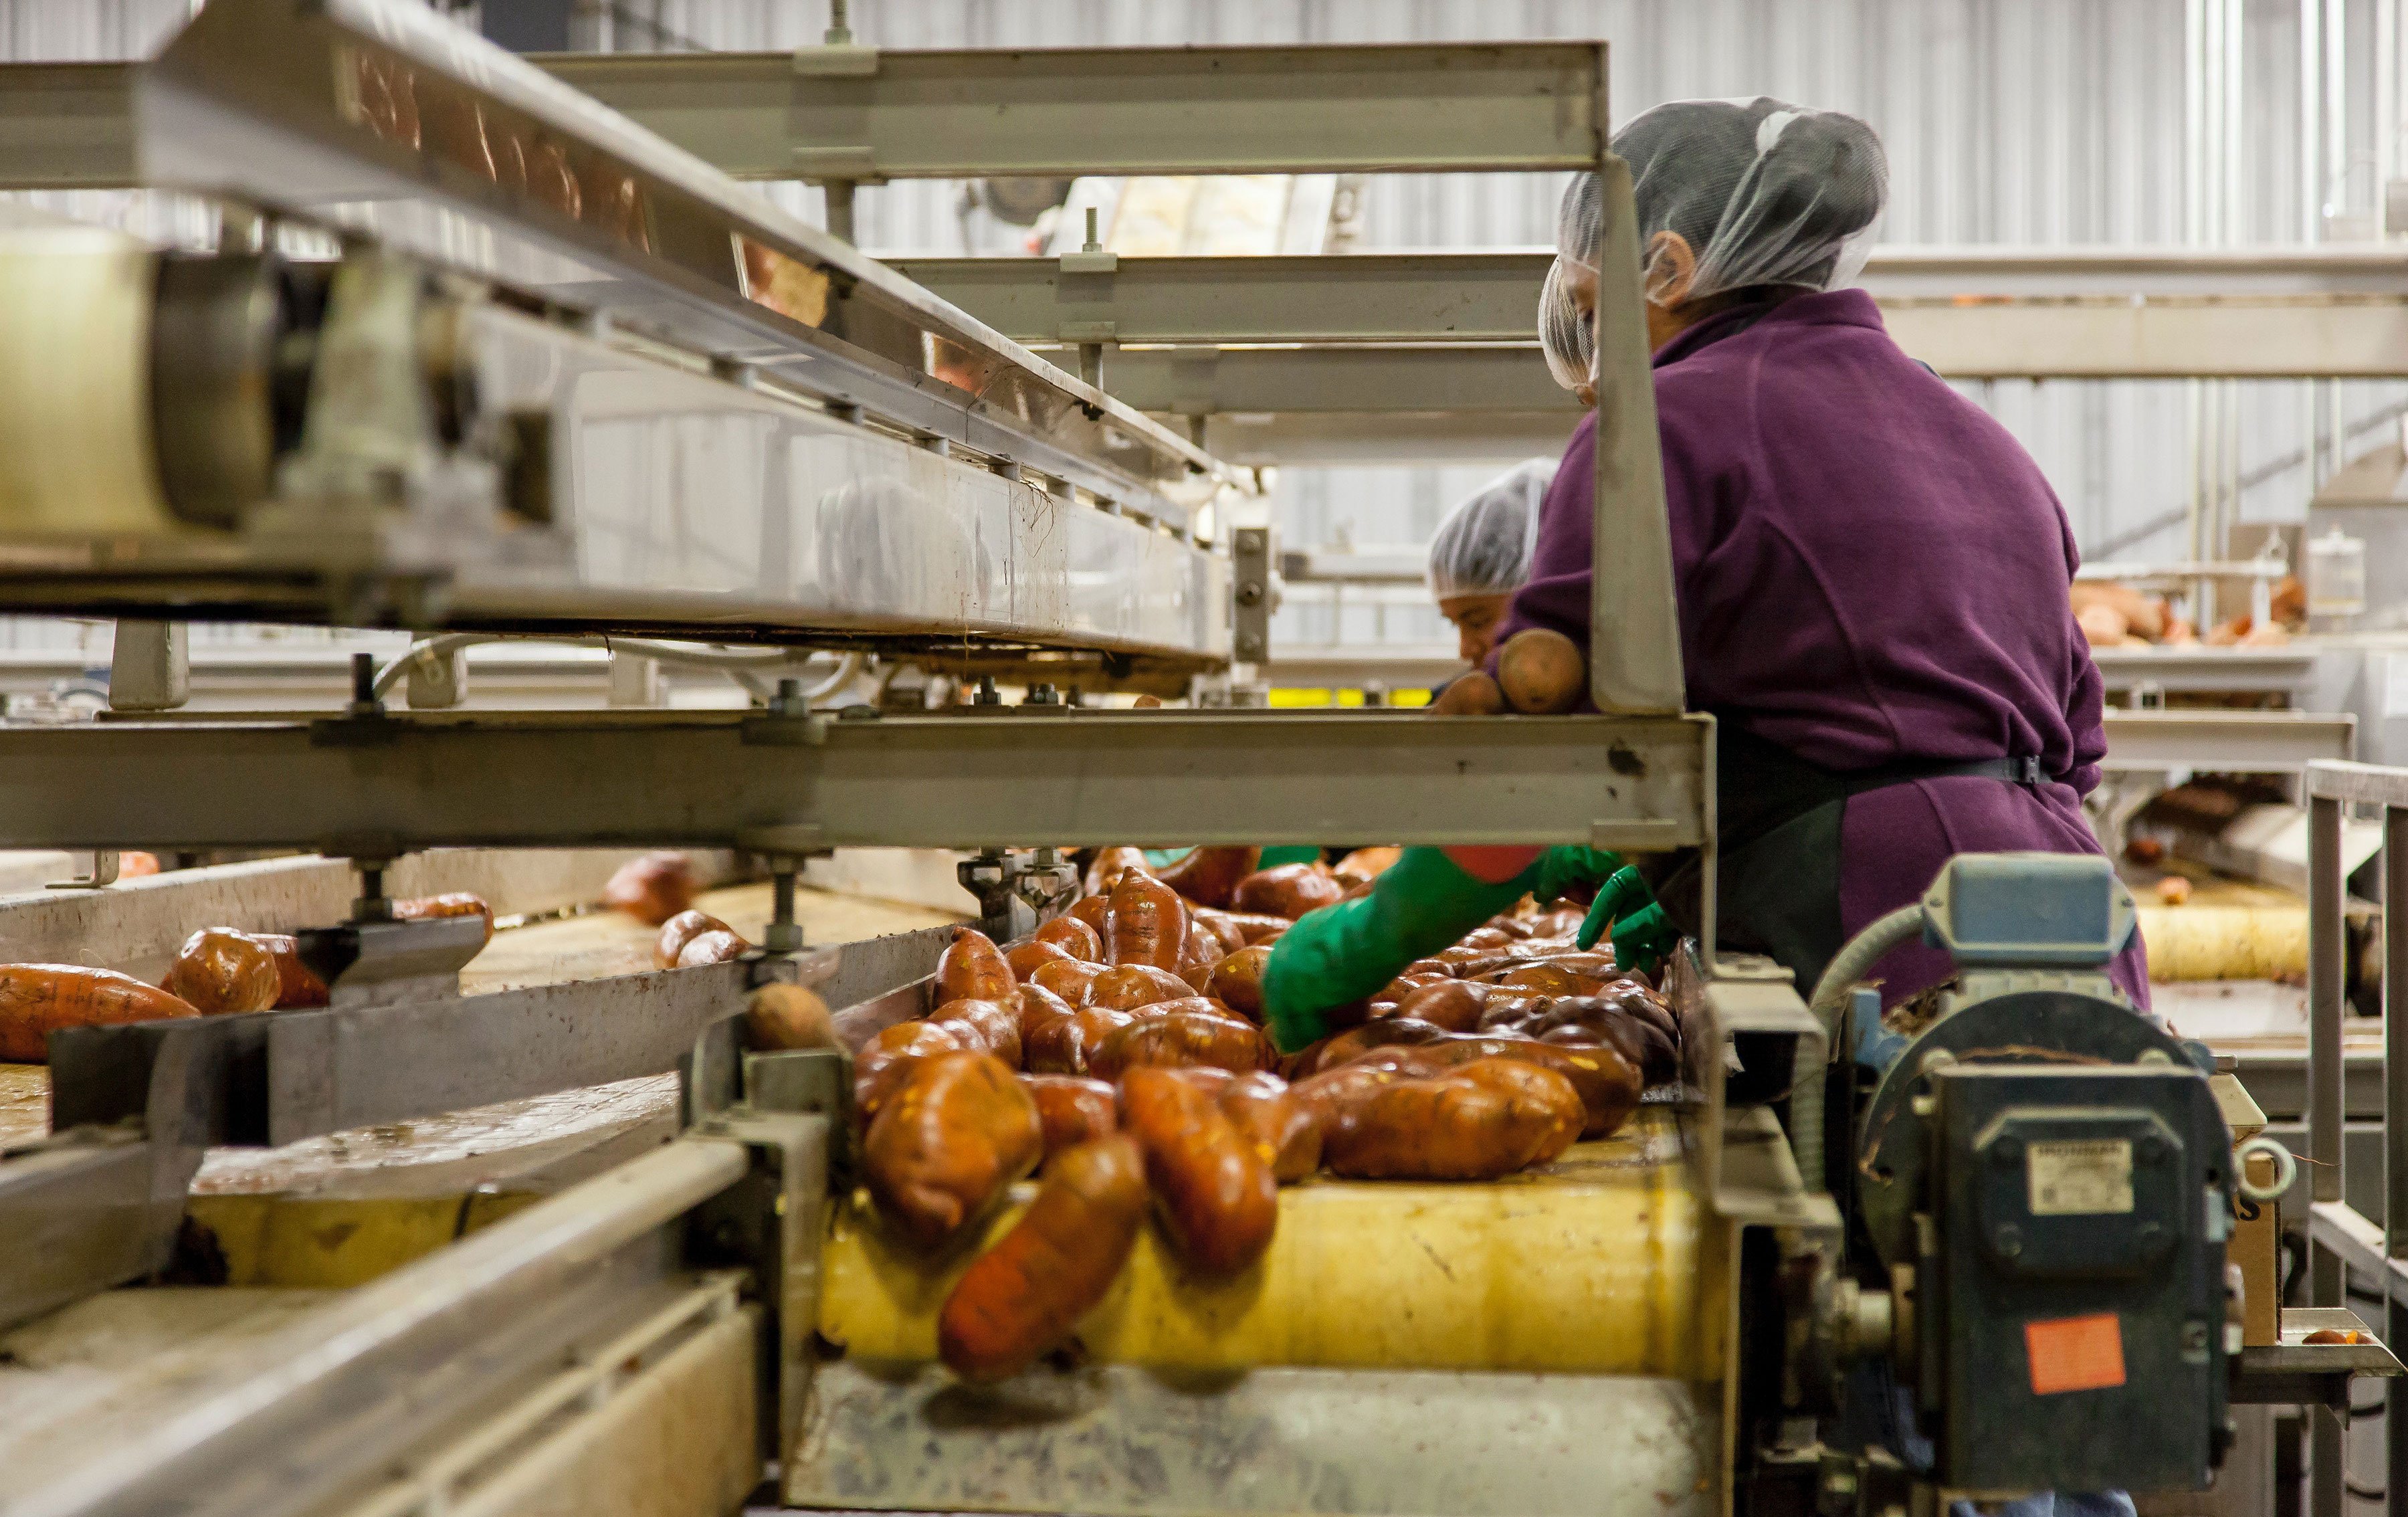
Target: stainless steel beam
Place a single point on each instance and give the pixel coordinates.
(2367, 784)
(66, 126)
(2228, 740)
(1475, 383)
(2120, 338)
(1073, 777)
(2207, 669)
(689, 505)
(381, 117)
(255, 1424)
(1126, 1441)
(1900, 272)
(1430, 108)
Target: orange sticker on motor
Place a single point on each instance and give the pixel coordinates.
(2076, 1354)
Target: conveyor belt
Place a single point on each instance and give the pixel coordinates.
(1597, 1264)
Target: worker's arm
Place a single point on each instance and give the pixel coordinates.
(1424, 901)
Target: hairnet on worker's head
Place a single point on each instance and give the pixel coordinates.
(1763, 192)
(1483, 546)
(1567, 334)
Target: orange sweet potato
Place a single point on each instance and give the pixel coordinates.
(992, 1027)
(1064, 1045)
(718, 945)
(1489, 1117)
(1454, 1005)
(972, 971)
(1285, 1131)
(652, 889)
(1072, 1109)
(903, 1042)
(1025, 958)
(1073, 938)
(1207, 876)
(297, 985)
(1110, 864)
(781, 1016)
(1541, 672)
(37, 999)
(1148, 924)
(219, 970)
(1072, 982)
(1218, 1201)
(1038, 1006)
(1096, 912)
(1607, 1083)
(680, 930)
(1288, 891)
(1027, 1293)
(457, 903)
(945, 1146)
(1126, 987)
(1192, 1035)
(1236, 981)
(1472, 694)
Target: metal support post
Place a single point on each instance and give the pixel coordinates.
(373, 904)
(150, 667)
(785, 933)
(2395, 1140)
(2326, 979)
(840, 208)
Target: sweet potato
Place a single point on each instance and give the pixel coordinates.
(297, 985)
(219, 970)
(1192, 1035)
(992, 1027)
(1072, 1109)
(1203, 950)
(970, 969)
(1285, 1131)
(1062, 1046)
(1289, 890)
(1454, 1005)
(1336, 1097)
(1207, 876)
(1472, 694)
(1024, 959)
(1073, 982)
(1110, 864)
(652, 889)
(1607, 1083)
(1148, 924)
(37, 999)
(945, 1146)
(718, 945)
(457, 903)
(1073, 938)
(1590, 1019)
(1038, 1006)
(1221, 924)
(1542, 673)
(913, 1039)
(1366, 863)
(1096, 912)
(1256, 928)
(780, 1016)
(1236, 981)
(1489, 1117)
(1381, 1032)
(1218, 1201)
(1126, 987)
(680, 930)
(1025, 1294)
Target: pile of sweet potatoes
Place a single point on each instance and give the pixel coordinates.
(1120, 1048)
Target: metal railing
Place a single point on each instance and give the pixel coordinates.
(2339, 1236)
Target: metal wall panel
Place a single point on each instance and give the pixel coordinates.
(2021, 122)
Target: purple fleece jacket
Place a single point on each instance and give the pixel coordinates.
(1870, 569)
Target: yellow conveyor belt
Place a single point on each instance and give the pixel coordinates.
(1605, 1263)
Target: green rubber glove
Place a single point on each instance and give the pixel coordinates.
(1560, 869)
(1160, 858)
(1344, 952)
(1642, 934)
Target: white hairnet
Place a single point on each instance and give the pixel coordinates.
(1483, 546)
(1764, 193)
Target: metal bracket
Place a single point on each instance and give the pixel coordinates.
(104, 873)
(1014, 891)
(1254, 593)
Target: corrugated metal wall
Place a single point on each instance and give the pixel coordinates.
(2026, 121)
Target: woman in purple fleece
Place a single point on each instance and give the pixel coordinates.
(1871, 574)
